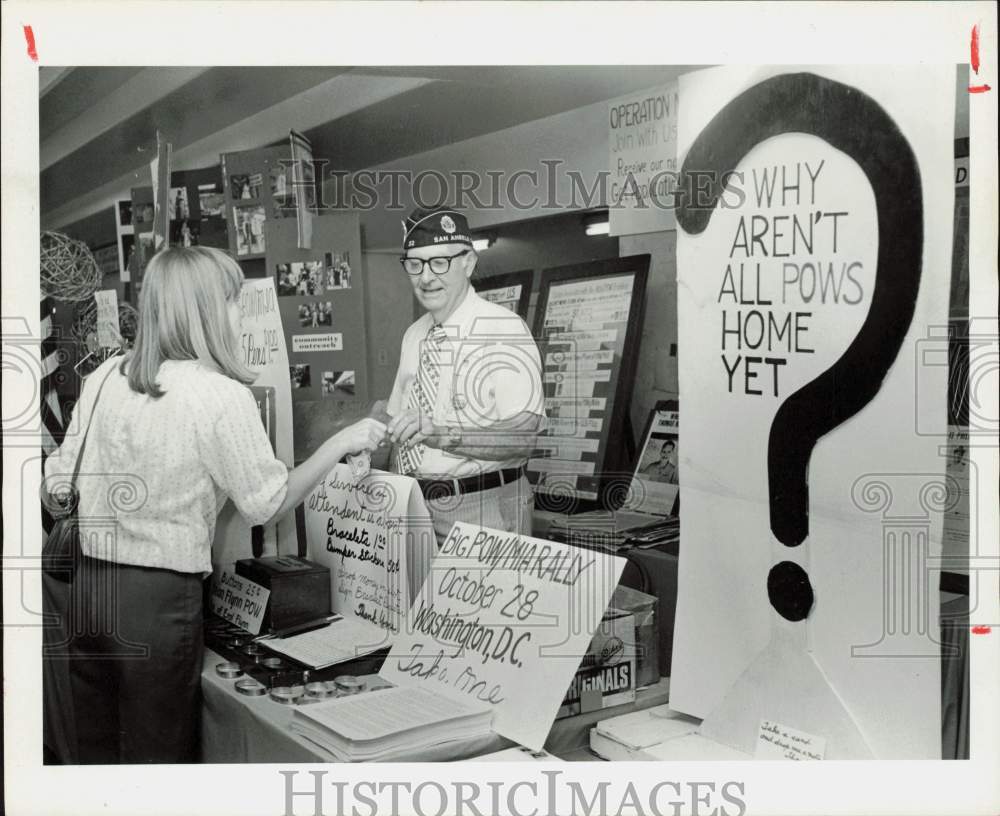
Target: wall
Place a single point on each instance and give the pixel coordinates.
(577, 138)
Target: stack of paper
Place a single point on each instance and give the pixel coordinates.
(338, 642)
(612, 531)
(378, 725)
(628, 737)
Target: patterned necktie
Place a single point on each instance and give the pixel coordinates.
(423, 394)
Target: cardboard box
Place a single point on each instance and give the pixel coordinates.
(607, 673)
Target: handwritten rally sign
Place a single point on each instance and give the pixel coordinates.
(239, 601)
(504, 619)
(376, 537)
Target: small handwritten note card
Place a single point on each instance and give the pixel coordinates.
(108, 327)
(239, 601)
(777, 741)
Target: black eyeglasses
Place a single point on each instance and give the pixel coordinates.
(439, 265)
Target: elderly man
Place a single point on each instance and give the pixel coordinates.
(467, 403)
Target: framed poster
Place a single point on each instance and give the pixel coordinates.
(512, 289)
(588, 324)
(655, 480)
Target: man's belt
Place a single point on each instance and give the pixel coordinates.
(443, 488)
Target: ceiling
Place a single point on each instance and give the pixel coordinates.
(98, 126)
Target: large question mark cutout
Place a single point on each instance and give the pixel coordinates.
(855, 124)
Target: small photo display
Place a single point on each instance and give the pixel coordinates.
(146, 245)
(654, 485)
(211, 201)
(659, 459)
(337, 268)
(299, 375)
(281, 180)
(249, 225)
(179, 208)
(127, 251)
(282, 192)
(246, 186)
(184, 233)
(125, 213)
(315, 314)
(143, 214)
(338, 382)
(300, 278)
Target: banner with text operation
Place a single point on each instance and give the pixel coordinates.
(642, 160)
(504, 619)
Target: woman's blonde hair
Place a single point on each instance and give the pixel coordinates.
(183, 315)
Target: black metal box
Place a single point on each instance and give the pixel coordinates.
(300, 589)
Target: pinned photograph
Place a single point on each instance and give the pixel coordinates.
(282, 192)
(125, 213)
(281, 181)
(299, 375)
(249, 225)
(126, 252)
(143, 214)
(179, 208)
(338, 382)
(212, 201)
(300, 278)
(184, 233)
(659, 461)
(245, 187)
(315, 314)
(338, 270)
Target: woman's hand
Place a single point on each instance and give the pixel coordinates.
(365, 435)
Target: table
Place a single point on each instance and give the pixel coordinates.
(240, 729)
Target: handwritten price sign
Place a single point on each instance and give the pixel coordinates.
(375, 535)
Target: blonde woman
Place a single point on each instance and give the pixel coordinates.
(175, 432)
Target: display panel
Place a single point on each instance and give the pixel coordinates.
(587, 325)
(511, 290)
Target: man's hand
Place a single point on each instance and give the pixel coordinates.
(413, 427)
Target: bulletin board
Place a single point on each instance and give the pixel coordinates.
(258, 191)
(512, 290)
(321, 299)
(588, 324)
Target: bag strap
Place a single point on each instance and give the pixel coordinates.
(90, 421)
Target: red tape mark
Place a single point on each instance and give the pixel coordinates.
(980, 630)
(29, 35)
(974, 60)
